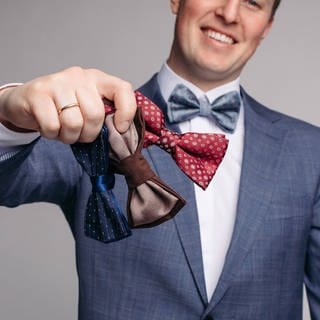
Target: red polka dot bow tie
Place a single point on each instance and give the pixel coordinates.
(198, 155)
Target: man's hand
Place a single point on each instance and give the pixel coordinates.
(35, 105)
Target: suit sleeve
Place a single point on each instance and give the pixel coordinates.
(312, 265)
(44, 170)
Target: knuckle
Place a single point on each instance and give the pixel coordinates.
(66, 77)
(68, 139)
(88, 137)
(125, 85)
(54, 78)
(50, 130)
(73, 124)
(92, 70)
(35, 87)
(53, 127)
(75, 70)
(95, 116)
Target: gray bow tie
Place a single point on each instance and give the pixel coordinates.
(183, 105)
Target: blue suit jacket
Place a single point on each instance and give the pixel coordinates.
(157, 273)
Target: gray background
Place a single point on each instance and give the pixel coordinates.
(130, 39)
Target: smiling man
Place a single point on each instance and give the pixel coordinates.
(242, 248)
(213, 41)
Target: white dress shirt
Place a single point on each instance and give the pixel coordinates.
(217, 204)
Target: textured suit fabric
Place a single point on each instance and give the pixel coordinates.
(157, 273)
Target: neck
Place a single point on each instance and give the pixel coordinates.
(203, 79)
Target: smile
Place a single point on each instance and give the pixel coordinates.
(219, 37)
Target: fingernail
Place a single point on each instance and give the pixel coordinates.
(123, 126)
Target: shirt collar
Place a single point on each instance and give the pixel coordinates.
(168, 79)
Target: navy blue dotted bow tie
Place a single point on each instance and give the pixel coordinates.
(184, 105)
(104, 220)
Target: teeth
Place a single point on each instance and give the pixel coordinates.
(220, 37)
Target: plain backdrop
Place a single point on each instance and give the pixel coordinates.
(130, 39)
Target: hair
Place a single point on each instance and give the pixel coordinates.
(275, 7)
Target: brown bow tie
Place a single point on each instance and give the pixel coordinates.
(150, 200)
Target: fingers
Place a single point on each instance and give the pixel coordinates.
(126, 106)
(121, 93)
(92, 110)
(46, 116)
(71, 120)
(41, 104)
(84, 123)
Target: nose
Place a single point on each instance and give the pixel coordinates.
(229, 11)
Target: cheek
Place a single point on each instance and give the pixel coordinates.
(191, 10)
(188, 17)
(254, 38)
(254, 30)
(186, 31)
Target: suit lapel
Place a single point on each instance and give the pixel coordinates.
(262, 148)
(186, 221)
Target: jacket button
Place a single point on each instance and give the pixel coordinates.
(208, 318)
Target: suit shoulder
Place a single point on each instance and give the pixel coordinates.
(284, 121)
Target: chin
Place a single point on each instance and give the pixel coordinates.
(215, 71)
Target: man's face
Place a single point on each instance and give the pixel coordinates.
(215, 38)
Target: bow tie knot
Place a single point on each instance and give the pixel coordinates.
(204, 108)
(184, 105)
(168, 140)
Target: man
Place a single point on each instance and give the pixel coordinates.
(239, 250)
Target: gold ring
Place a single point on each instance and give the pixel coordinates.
(67, 106)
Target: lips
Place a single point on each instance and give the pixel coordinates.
(219, 36)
